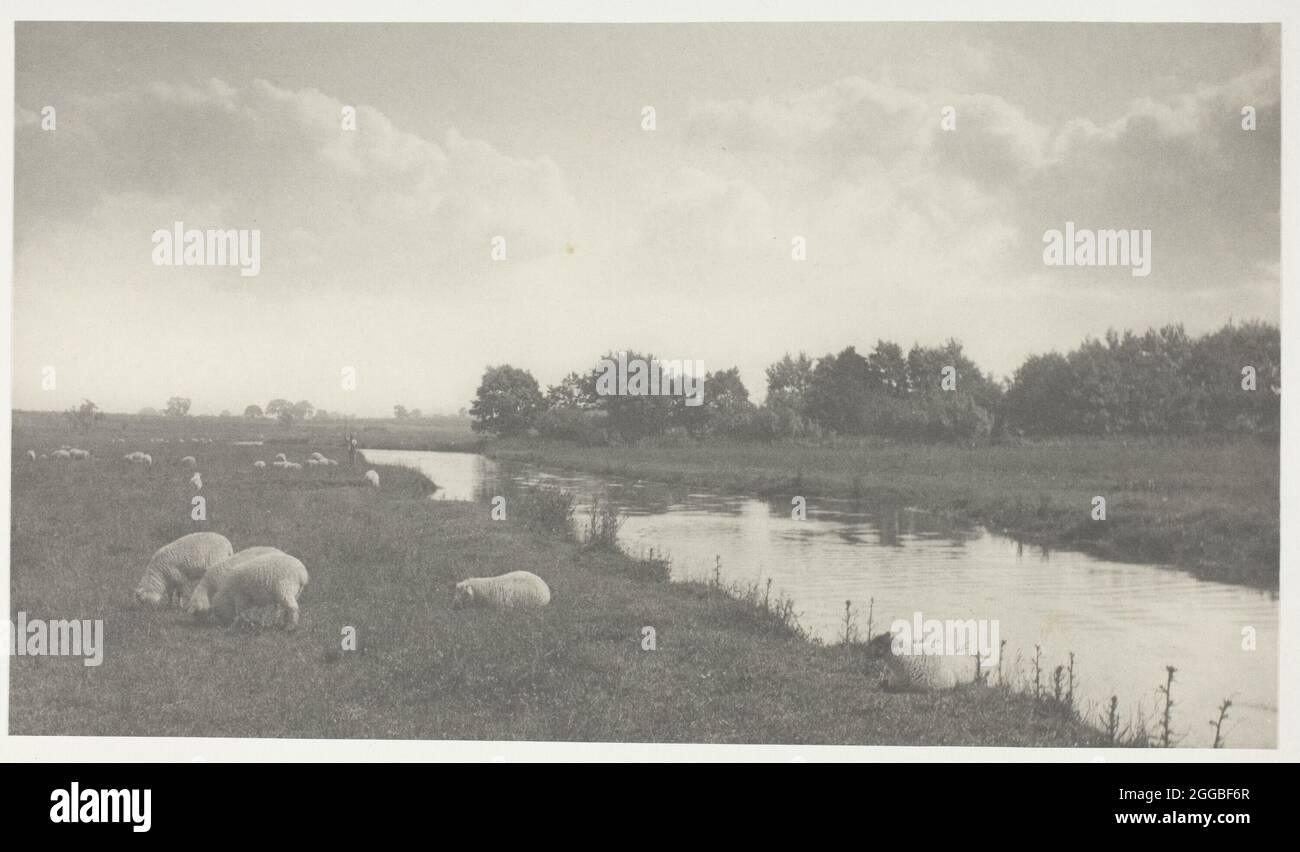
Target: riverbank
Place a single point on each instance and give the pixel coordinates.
(722, 669)
(1211, 509)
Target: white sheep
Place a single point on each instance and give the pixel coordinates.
(60, 454)
(200, 600)
(373, 478)
(175, 566)
(189, 460)
(332, 462)
(272, 578)
(78, 454)
(31, 454)
(280, 457)
(196, 481)
(312, 462)
(317, 457)
(259, 464)
(292, 466)
(921, 672)
(146, 458)
(43, 456)
(516, 590)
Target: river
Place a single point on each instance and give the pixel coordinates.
(1124, 622)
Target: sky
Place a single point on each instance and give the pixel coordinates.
(376, 242)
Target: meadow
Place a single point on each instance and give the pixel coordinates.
(726, 668)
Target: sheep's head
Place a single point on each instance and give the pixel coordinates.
(462, 594)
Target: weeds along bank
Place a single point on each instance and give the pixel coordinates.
(1211, 508)
(382, 562)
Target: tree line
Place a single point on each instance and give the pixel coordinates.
(1161, 382)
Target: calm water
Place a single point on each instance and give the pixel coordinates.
(1123, 622)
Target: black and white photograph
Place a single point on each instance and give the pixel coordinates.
(705, 382)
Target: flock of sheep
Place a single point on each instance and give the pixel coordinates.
(202, 573)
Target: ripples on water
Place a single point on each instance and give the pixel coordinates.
(1123, 622)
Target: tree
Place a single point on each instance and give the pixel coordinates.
(225, 412)
(177, 406)
(506, 402)
(573, 391)
(303, 410)
(148, 412)
(399, 412)
(253, 412)
(415, 414)
(84, 416)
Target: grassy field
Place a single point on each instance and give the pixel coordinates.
(1210, 508)
(381, 562)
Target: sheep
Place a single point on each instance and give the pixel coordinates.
(373, 478)
(332, 462)
(78, 455)
(45, 457)
(292, 466)
(280, 457)
(516, 590)
(189, 460)
(312, 462)
(317, 457)
(31, 454)
(197, 481)
(175, 566)
(259, 464)
(60, 454)
(921, 672)
(272, 578)
(200, 600)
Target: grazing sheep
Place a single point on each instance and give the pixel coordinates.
(146, 458)
(280, 457)
(196, 481)
(200, 601)
(175, 566)
(189, 460)
(31, 454)
(921, 672)
(259, 464)
(516, 590)
(272, 578)
(373, 478)
(79, 454)
(60, 454)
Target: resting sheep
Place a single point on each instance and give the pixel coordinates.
(516, 590)
(921, 672)
(373, 478)
(175, 566)
(200, 601)
(272, 578)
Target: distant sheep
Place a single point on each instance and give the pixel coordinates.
(259, 464)
(373, 478)
(79, 455)
(280, 457)
(31, 454)
(197, 481)
(200, 601)
(292, 466)
(312, 462)
(332, 462)
(174, 567)
(60, 454)
(273, 578)
(317, 457)
(516, 590)
(189, 460)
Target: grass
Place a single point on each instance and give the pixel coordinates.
(730, 664)
(1210, 508)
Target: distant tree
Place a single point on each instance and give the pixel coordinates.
(84, 416)
(463, 412)
(506, 402)
(322, 415)
(399, 412)
(415, 414)
(253, 412)
(573, 391)
(303, 410)
(278, 406)
(225, 412)
(177, 406)
(148, 412)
